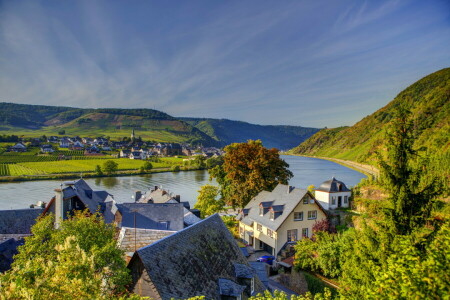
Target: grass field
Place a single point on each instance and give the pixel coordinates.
(78, 166)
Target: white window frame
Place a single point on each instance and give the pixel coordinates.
(345, 199)
(312, 214)
(301, 216)
(333, 200)
(307, 232)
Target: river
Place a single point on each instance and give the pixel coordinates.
(306, 171)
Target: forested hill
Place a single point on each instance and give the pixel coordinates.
(37, 120)
(273, 136)
(429, 102)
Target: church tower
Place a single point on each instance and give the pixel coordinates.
(132, 135)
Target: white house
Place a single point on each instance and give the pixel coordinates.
(274, 219)
(333, 194)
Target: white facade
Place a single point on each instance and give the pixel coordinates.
(333, 200)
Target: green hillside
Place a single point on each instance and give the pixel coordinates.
(36, 120)
(227, 131)
(429, 102)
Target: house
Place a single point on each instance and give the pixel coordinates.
(125, 153)
(17, 222)
(333, 194)
(19, 147)
(202, 259)
(77, 145)
(64, 143)
(272, 220)
(78, 195)
(47, 149)
(135, 155)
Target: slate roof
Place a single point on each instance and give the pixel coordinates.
(198, 260)
(150, 215)
(333, 186)
(283, 196)
(8, 249)
(18, 221)
(92, 199)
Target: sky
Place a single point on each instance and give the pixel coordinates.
(306, 63)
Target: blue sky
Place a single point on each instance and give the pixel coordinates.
(307, 63)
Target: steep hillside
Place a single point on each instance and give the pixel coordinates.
(36, 120)
(227, 131)
(429, 102)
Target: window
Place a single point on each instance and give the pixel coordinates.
(333, 200)
(305, 232)
(272, 215)
(261, 211)
(298, 216)
(241, 231)
(269, 232)
(259, 227)
(312, 214)
(345, 199)
(292, 235)
(253, 285)
(305, 200)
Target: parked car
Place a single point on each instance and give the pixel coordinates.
(268, 259)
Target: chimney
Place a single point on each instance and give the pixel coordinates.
(59, 207)
(178, 198)
(137, 196)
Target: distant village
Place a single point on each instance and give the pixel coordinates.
(132, 148)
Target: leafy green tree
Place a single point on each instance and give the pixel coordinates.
(110, 167)
(98, 170)
(207, 201)
(248, 169)
(403, 173)
(62, 132)
(80, 260)
(414, 274)
(146, 167)
(279, 295)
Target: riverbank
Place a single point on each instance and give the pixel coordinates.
(6, 179)
(368, 170)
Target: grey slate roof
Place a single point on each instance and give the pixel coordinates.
(194, 261)
(333, 186)
(261, 270)
(283, 196)
(8, 249)
(18, 221)
(92, 199)
(149, 215)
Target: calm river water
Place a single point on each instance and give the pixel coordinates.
(306, 171)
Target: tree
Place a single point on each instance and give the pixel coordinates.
(403, 174)
(248, 169)
(61, 132)
(207, 201)
(110, 167)
(279, 295)
(147, 166)
(80, 260)
(98, 170)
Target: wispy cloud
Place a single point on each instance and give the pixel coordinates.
(299, 63)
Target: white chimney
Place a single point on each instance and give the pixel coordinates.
(59, 207)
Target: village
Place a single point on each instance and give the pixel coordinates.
(247, 257)
(132, 147)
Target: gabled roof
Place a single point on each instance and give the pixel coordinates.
(152, 215)
(283, 198)
(92, 199)
(198, 260)
(18, 221)
(333, 186)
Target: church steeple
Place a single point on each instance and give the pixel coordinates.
(132, 135)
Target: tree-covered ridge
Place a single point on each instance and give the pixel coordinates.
(429, 103)
(36, 120)
(274, 136)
